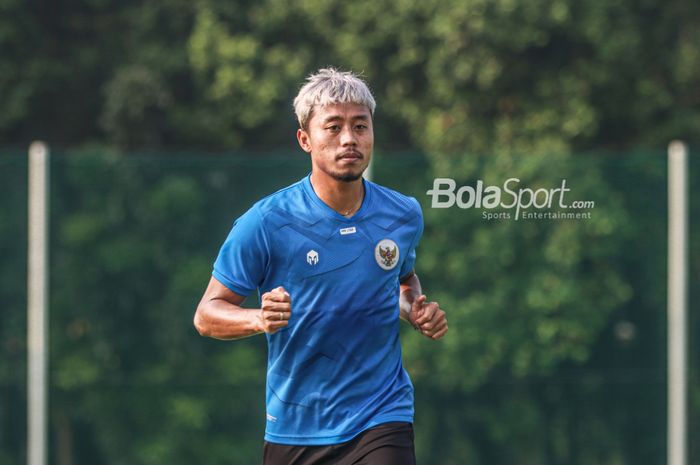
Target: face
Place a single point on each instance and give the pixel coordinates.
(340, 139)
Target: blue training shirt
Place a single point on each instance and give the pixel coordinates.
(336, 369)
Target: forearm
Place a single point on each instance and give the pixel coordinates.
(410, 289)
(219, 319)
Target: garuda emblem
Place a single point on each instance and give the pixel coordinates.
(387, 254)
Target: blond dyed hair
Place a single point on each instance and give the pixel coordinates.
(329, 86)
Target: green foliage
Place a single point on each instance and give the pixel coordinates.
(133, 248)
(135, 107)
(18, 72)
(534, 369)
(449, 76)
(13, 270)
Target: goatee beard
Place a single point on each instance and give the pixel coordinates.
(350, 177)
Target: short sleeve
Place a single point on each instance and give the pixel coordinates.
(244, 256)
(410, 261)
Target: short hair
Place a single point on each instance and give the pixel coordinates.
(329, 86)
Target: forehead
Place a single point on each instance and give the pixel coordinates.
(336, 111)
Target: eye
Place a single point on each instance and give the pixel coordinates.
(333, 128)
(361, 127)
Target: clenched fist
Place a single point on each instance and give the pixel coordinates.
(276, 310)
(428, 318)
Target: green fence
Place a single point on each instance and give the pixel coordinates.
(557, 345)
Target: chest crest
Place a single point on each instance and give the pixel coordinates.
(386, 253)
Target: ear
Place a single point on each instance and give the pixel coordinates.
(304, 140)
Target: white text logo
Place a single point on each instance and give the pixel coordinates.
(445, 195)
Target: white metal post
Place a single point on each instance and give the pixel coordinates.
(677, 301)
(367, 174)
(37, 304)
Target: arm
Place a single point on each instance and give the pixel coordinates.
(428, 318)
(219, 314)
(410, 289)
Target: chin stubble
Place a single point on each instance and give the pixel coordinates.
(348, 177)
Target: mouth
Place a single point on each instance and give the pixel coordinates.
(350, 156)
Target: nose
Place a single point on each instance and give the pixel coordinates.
(347, 136)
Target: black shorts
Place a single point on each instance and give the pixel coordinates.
(385, 444)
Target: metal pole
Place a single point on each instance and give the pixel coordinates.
(677, 302)
(37, 304)
(368, 172)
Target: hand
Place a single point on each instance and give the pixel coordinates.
(276, 310)
(428, 318)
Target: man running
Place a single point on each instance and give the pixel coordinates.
(333, 258)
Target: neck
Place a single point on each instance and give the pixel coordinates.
(343, 197)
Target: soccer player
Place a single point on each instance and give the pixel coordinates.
(333, 257)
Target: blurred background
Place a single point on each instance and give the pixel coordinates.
(167, 119)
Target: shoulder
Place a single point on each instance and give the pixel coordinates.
(288, 205)
(393, 200)
(285, 199)
(391, 209)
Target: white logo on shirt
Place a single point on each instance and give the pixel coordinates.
(350, 230)
(312, 257)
